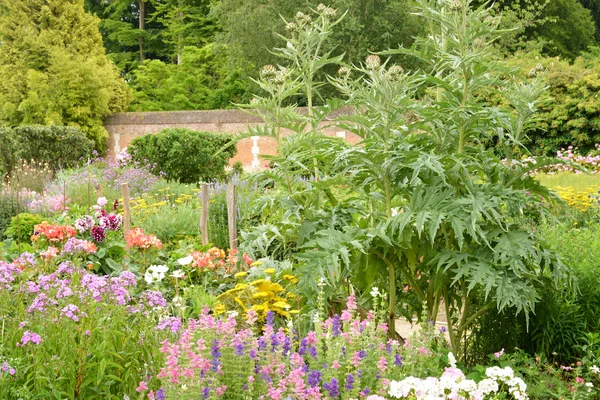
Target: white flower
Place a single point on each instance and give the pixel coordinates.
(101, 201)
(148, 278)
(185, 260)
(451, 360)
(375, 292)
(595, 369)
(488, 386)
(155, 273)
(178, 274)
(159, 268)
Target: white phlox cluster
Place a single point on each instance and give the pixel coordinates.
(453, 385)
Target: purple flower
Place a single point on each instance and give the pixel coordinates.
(337, 325)
(239, 347)
(303, 346)
(262, 343)
(216, 353)
(398, 359)
(270, 318)
(314, 378)
(362, 354)
(160, 394)
(312, 351)
(205, 392)
(349, 382)
(443, 329)
(332, 387)
(287, 345)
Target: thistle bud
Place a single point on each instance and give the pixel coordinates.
(455, 5)
(268, 71)
(343, 72)
(291, 26)
(395, 71)
(373, 61)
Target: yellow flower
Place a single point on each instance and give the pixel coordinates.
(294, 312)
(240, 302)
(259, 295)
(220, 309)
(241, 274)
(270, 271)
(281, 304)
(256, 282)
(256, 263)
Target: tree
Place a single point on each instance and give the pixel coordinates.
(186, 23)
(594, 7)
(130, 36)
(201, 82)
(53, 68)
(570, 31)
(248, 27)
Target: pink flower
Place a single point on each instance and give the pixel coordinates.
(221, 390)
(499, 354)
(142, 388)
(579, 380)
(346, 316)
(351, 303)
(382, 364)
(336, 364)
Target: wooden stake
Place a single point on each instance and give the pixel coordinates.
(126, 212)
(231, 216)
(204, 214)
(99, 190)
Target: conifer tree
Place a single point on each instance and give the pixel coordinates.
(186, 23)
(53, 68)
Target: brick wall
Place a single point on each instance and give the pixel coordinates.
(123, 127)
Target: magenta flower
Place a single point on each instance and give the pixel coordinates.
(30, 337)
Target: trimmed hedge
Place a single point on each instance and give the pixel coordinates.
(184, 155)
(59, 146)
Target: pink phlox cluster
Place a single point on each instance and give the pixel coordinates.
(8, 273)
(173, 323)
(30, 337)
(73, 312)
(5, 367)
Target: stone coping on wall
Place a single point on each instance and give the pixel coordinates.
(178, 118)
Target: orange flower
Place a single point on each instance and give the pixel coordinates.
(53, 233)
(137, 238)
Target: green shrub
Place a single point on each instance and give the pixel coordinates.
(184, 155)
(21, 226)
(58, 146)
(8, 209)
(571, 114)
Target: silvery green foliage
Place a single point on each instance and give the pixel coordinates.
(426, 207)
